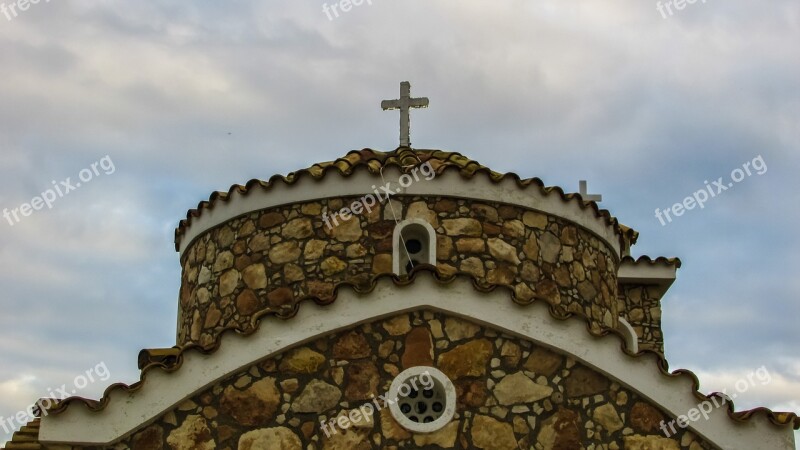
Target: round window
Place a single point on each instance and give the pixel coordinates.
(425, 399)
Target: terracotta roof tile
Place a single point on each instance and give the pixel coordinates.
(27, 438)
(556, 311)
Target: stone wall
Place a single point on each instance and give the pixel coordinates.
(510, 394)
(271, 258)
(641, 306)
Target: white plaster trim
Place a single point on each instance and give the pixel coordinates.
(162, 391)
(631, 338)
(448, 391)
(398, 250)
(450, 184)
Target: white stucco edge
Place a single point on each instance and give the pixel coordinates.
(360, 183)
(162, 391)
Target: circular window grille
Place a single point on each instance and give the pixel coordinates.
(426, 399)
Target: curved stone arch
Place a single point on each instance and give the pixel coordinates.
(163, 391)
(409, 229)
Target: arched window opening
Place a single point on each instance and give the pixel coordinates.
(414, 244)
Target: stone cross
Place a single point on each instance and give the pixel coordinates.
(404, 104)
(585, 193)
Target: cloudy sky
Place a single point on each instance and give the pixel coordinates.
(183, 99)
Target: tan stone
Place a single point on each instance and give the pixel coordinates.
(255, 276)
(467, 360)
(473, 266)
(607, 416)
(530, 272)
(462, 227)
(284, 252)
(311, 209)
(543, 362)
(298, 228)
(317, 397)
(382, 263)
(259, 243)
(418, 348)
(390, 429)
(350, 439)
(314, 249)
(397, 326)
(279, 438)
(356, 251)
(302, 360)
(444, 438)
(224, 261)
(511, 353)
(513, 228)
(256, 405)
(500, 275)
(550, 247)
(351, 345)
(420, 210)
(458, 329)
(347, 231)
(518, 388)
(491, 434)
(332, 265)
(471, 245)
(193, 434)
(535, 220)
(228, 282)
(212, 317)
(523, 292)
(654, 442)
(292, 273)
(503, 251)
(587, 290)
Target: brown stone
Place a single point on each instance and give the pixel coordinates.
(587, 290)
(317, 397)
(491, 434)
(311, 209)
(548, 290)
(445, 205)
(390, 429)
(462, 227)
(562, 276)
(302, 360)
(212, 317)
(362, 381)
(259, 243)
(253, 406)
(569, 235)
(543, 362)
(561, 431)
(351, 345)
(444, 247)
(467, 360)
(471, 245)
(471, 394)
(473, 266)
(645, 418)
(653, 442)
(280, 297)
(284, 252)
(511, 353)
(193, 434)
(279, 438)
(151, 438)
(491, 229)
(583, 382)
(500, 275)
(485, 212)
(255, 276)
(298, 228)
(530, 272)
(269, 220)
(382, 263)
(418, 348)
(507, 212)
(320, 289)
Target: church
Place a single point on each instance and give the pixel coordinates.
(410, 299)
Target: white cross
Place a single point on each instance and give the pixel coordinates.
(404, 104)
(585, 193)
